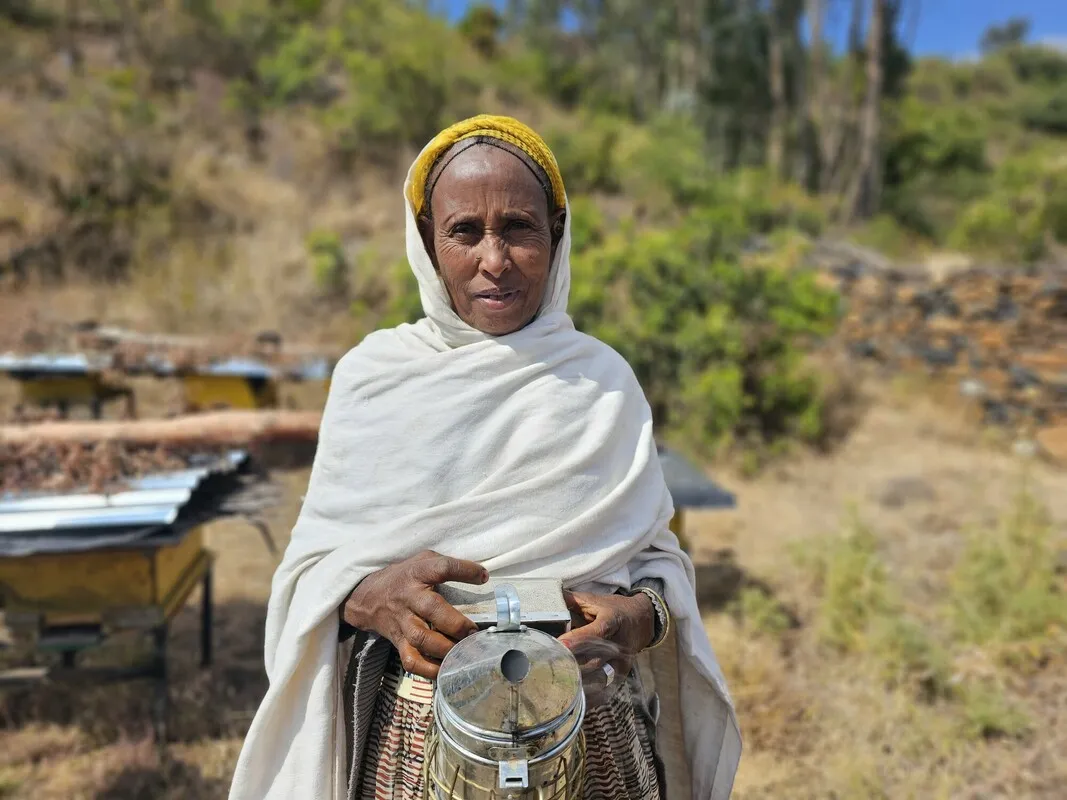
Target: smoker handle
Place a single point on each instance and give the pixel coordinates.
(508, 613)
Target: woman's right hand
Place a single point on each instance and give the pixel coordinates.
(399, 602)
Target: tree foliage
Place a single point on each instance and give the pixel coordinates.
(683, 129)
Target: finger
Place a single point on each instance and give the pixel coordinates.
(442, 615)
(590, 665)
(433, 571)
(578, 601)
(594, 653)
(603, 627)
(430, 644)
(581, 610)
(414, 662)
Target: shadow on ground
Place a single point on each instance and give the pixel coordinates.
(720, 583)
(218, 701)
(171, 780)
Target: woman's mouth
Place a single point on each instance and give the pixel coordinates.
(497, 299)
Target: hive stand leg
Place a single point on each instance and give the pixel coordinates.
(206, 618)
(677, 526)
(159, 705)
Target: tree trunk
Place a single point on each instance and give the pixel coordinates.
(688, 17)
(776, 139)
(818, 95)
(862, 198)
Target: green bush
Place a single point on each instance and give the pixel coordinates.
(407, 77)
(1038, 64)
(1047, 113)
(586, 153)
(935, 163)
(587, 224)
(771, 205)
(988, 714)
(1005, 589)
(665, 164)
(1026, 207)
(715, 346)
(328, 263)
(853, 586)
(761, 613)
(860, 612)
(299, 70)
(482, 25)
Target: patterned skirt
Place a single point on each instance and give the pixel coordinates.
(620, 757)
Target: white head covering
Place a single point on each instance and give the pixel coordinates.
(530, 453)
(445, 324)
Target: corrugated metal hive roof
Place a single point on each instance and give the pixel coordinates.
(312, 369)
(32, 522)
(54, 363)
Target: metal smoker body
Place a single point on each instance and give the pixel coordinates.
(508, 712)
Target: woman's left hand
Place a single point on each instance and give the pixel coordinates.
(608, 629)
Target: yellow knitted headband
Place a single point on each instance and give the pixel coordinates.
(505, 129)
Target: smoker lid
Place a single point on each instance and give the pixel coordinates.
(509, 680)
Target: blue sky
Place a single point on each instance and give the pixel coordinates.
(947, 27)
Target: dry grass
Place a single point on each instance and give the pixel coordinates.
(879, 692)
(228, 253)
(850, 676)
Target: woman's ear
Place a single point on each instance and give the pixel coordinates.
(557, 225)
(425, 225)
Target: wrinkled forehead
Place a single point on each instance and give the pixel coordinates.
(482, 161)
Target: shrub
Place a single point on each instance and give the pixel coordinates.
(587, 224)
(769, 204)
(1047, 113)
(935, 163)
(760, 612)
(715, 346)
(853, 587)
(860, 612)
(1005, 589)
(328, 263)
(1038, 64)
(987, 713)
(665, 164)
(909, 656)
(1026, 207)
(586, 153)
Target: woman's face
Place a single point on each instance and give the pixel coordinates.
(492, 238)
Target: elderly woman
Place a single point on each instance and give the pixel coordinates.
(489, 438)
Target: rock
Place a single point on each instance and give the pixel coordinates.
(1000, 333)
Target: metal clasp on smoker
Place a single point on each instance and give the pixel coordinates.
(508, 613)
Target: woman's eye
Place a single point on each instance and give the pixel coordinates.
(518, 225)
(464, 229)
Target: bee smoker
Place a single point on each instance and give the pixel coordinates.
(508, 711)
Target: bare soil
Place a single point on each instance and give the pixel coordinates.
(816, 725)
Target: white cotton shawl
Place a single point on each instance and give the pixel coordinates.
(530, 453)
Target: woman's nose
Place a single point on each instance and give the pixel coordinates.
(493, 256)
